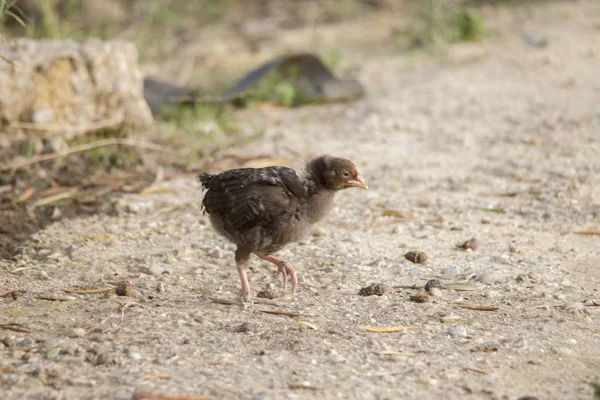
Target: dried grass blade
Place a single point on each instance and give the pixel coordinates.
(87, 291)
(389, 329)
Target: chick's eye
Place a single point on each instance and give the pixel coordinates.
(345, 174)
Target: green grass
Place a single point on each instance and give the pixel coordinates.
(8, 10)
(201, 120)
(440, 22)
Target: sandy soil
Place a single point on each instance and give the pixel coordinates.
(496, 140)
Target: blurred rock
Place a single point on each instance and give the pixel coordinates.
(75, 85)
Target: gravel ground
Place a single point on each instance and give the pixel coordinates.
(497, 141)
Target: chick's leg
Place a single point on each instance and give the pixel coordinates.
(284, 269)
(241, 261)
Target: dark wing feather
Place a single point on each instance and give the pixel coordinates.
(250, 197)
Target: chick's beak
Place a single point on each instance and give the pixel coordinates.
(358, 181)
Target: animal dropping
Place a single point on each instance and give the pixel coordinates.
(261, 210)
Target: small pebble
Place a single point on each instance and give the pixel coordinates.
(245, 327)
(135, 356)
(160, 287)
(320, 232)
(457, 331)
(25, 342)
(420, 297)
(489, 277)
(42, 115)
(154, 270)
(105, 359)
(123, 288)
(433, 283)
(267, 294)
(450, 271)
(374, 289)
(354, 238)
(418, 257)
(56, 214)
(435, 292)
(136, 207)
(42, 275)
(77, 332)
(216, 253)
(472, 244)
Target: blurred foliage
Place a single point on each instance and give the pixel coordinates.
(440, 22)
(8, 11)
(201, 120)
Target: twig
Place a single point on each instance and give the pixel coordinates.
(286, 313)
(143, 395)
(589, 231)
(86, 147)
(14, 327)
(157, 376)
(87, 291)
(389, 329)
(293, 386)
(477, 307)
(54, 298)
(132, 337)
(477, 371)
(223, 301)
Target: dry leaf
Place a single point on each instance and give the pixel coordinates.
(462, 287)
(54, 199)
(389, 329)
(311, 326)
(25, 195)
(386, 212)
(56, 190)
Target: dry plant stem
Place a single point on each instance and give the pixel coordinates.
(88, 291)
(477, 371)
(477, 307)
(223, 301)
(107, 123)
(86, 147)
(14, 327)
(286, 313)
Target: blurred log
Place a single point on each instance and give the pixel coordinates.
(66, 87)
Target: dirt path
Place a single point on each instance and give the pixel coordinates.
(497, 140)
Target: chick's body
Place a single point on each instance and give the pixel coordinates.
(261, 210)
